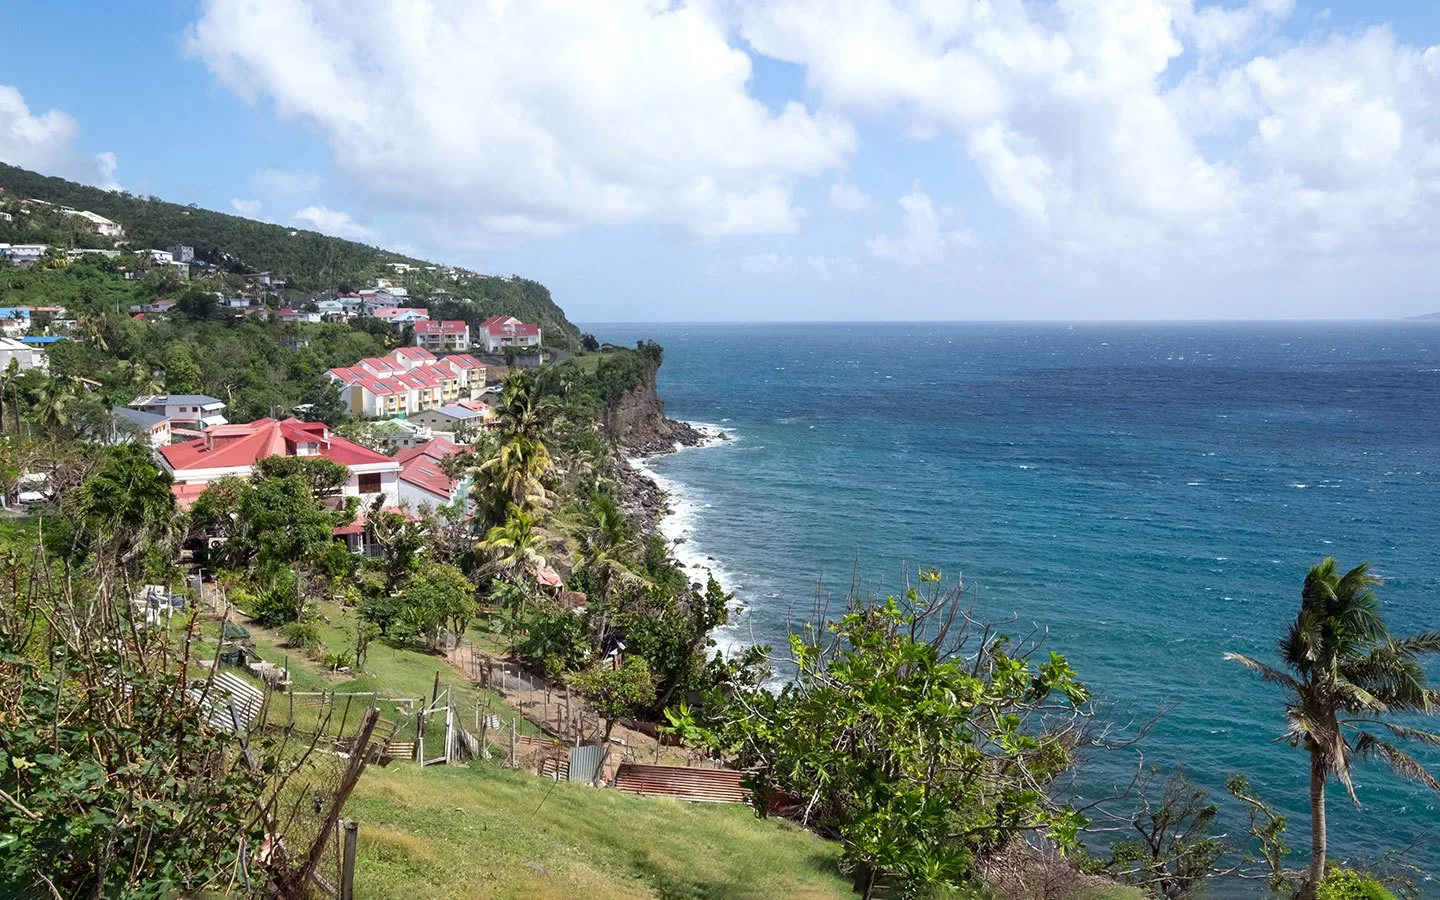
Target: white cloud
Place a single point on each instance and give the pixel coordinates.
(816, 267)
(922, 237)
(285, 182)
(46, 143)
(530, 118)
(106, 164)
(247, 208)
(1110, 124)
(849, 198)
(335, 223)
(833, 267)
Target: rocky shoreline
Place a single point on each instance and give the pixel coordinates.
(641, 498)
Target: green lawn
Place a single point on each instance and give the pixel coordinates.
(482, 832)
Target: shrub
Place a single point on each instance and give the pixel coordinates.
(273, 606)
(305, 635)
(1347, 884)
(339, 659)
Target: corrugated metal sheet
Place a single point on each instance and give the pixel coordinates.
(228, 691)
(682, 783)
(585, 764)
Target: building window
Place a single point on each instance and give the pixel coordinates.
(370, 483)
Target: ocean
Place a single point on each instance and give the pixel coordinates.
(1152, 494)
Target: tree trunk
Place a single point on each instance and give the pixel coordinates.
(1316, 874)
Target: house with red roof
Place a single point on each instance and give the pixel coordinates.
(406, 381)
(398, 317)
(226, 450)
(449, 336)
(468, 369)
(423, 480)
(508, 331)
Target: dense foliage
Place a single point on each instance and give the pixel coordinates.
(311, 261)
(922, 744)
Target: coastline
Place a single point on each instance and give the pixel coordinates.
(670, 513)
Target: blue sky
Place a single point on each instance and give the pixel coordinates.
(786, 159)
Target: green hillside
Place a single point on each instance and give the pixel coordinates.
(310, 260)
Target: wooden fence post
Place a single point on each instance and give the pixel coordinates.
(337, 803)
(347, 859)
(513, 763)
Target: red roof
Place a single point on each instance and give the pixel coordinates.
(416, 353)
(509, 325)
(420, 465)
(463, 361)
(379, 364)
(449, 326)
(236, 446)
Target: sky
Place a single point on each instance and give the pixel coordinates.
(797, 160)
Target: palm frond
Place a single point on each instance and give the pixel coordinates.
(1269, 673)
(1417, 644)
(1412, 734)
(1404, 764)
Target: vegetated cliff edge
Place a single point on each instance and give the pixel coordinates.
(634, 418)
(635, 423)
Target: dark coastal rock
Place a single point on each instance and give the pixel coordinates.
(640, 499)
(636, 422)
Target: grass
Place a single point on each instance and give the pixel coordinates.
(482, 832)
(390, 670)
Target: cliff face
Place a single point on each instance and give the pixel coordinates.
(636, 421)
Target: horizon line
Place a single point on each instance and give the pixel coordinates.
(1421, 319)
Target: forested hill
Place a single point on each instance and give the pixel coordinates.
(310, 260)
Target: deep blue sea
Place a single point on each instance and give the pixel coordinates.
(1151, 494)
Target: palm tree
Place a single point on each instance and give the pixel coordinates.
(52, 405)
(1345, 672)
(513, 477)
(515, 543)
(607, 547)
(92, 332)
(9, 396)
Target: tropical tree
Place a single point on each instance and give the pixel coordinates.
(516, 544)
(126, 508)
(9, 396)
(438, 598)
(512, 477)
(607, 547)
(922, 740)
(52, 405)
(1343, 673)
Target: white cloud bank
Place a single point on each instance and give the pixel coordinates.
(922, 238)
(1076, 117)
(530, 118)
(1166, 130)
(335, 223)
(46, 143)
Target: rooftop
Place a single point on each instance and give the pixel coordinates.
(176, 400)
(240, 446)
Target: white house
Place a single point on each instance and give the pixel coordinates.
(422, 478)
(25, 356)
(127, 423)
(187, 410)
(98, 223)
(449, 336)
(236, 449)
(23, 254)
(508, 331)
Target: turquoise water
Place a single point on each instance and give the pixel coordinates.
(1151, 494)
